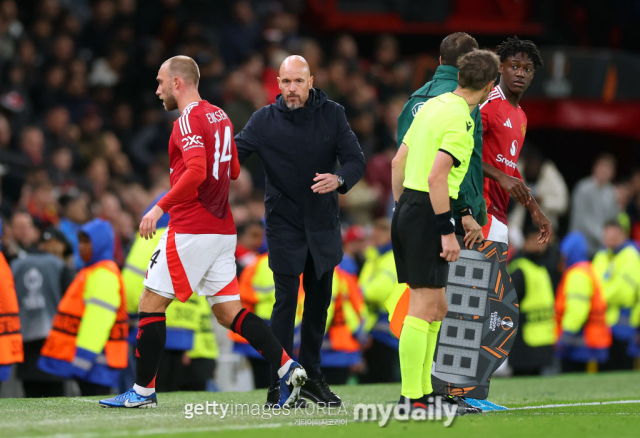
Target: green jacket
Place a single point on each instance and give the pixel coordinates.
(470, 195)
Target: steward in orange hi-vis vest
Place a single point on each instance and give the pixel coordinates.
(11, 350)
(88, 340)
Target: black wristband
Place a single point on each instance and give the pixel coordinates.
(445, 223)
(466, 212)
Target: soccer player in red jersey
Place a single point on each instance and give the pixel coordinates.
(505, 125)
(196, 252)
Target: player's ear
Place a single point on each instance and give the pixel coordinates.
(310, 82)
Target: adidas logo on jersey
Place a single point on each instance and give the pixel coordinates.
(508, 124)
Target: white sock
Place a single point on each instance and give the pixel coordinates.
(284, 368)
(141, 390)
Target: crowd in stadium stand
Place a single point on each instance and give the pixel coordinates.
(83, 136)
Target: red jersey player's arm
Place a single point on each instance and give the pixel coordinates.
(513, 185)
(190, 139)
(188, 183)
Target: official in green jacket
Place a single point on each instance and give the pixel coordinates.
(445, 80)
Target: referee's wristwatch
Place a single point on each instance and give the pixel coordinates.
(340, 181)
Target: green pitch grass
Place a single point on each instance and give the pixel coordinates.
(82, 417)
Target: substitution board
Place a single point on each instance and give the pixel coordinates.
(479, 329)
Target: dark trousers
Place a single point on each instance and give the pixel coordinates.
(569, 366)
(316, 302)
(261, 372)
(336, 376)
(170, 371)
(89, 389)
(618, 357)
(197, 374)
(43, 389)
(383, 364)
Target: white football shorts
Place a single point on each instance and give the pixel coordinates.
(495, 230)
(201, 263)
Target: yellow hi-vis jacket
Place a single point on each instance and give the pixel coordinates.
(89, 335)
(378, 279)
(537, 305)
(620, 275)
(204, 340)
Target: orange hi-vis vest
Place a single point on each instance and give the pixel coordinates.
(596, 334)
(61, 343)
(11, 348)
(340, 332)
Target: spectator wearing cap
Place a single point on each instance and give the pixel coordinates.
(377, 280)
(41, 277)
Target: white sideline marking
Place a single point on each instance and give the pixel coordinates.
(566, 405)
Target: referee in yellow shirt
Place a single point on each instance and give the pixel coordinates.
(431, 164)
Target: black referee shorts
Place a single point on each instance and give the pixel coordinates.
(417, 243)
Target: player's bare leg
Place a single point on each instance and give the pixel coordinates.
(150, 341)
(151, 302)
(233, 316)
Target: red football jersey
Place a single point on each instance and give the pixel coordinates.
(203, 130)
(504, 128)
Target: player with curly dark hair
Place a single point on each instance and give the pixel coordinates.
(505, 125)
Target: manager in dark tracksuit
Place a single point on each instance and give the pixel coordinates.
(300, 140)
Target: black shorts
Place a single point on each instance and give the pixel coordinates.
(417, 243)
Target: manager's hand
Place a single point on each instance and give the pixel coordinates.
(325, 183)
(149, 221)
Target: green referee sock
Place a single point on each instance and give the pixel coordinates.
(412, 350)
(432, 340)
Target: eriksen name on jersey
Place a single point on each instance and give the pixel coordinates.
(217, 116)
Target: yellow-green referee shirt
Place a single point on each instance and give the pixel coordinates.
(443, 123)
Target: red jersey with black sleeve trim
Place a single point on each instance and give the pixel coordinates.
(203, 132)
(504, 129)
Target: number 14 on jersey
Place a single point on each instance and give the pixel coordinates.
(226, 151)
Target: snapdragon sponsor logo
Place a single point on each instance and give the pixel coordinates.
(383, 413)
(225, 410)
(507, 162)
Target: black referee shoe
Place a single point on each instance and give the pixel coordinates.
(318, 391)
(273, 396)
(464, 408)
